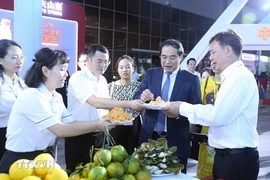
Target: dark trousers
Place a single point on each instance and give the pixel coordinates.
(236, 164)
(3, 139)
(10, 157)
(77, 150)
(123, 135)
(183, 160)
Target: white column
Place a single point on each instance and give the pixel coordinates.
(259, 53)
(27, 29)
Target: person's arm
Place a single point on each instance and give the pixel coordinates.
(76, 128)
(84, 93)
(106, 103)
(232, 98)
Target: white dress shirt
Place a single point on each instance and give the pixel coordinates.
(9, 91)
(35, 110)
(82, 85)
(233, 117)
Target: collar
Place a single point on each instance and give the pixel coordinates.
(174, 72)
(44, 90)
(229, 70)
(9, 81)
(90, 74)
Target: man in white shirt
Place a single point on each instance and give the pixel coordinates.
(233, 117)
(88, 96)
(191, 65)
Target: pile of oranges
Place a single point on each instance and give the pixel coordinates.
(43, 167)
(112, 164)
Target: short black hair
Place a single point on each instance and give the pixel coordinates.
(191, 59)
(44, 57)
(96, 47)
(229, 38)
(174, 43)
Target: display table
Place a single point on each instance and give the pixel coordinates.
(173, 177)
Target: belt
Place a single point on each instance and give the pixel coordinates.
(47, 150)
(227, 151)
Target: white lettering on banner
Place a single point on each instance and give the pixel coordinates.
(250, 65)
(53, 8)
(249, 57)
(44, 4)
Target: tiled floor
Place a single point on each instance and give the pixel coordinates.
(264, 147)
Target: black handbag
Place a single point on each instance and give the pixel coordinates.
(198, 137)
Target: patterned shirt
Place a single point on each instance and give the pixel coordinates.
(124, 92)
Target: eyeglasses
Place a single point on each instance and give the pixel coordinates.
(105, 62)
(17, 58)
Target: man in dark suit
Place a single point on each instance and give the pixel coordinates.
(172, 84)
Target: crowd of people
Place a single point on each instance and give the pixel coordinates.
(222, 100)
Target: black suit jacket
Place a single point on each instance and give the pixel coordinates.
(186, 88)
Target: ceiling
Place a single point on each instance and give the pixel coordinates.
(259, 8)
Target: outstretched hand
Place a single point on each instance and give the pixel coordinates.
(147, 95)
(107, 123)
(137, 105)
(172, 110)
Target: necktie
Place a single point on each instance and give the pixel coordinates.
(160, 126)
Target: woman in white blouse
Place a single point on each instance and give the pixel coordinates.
(11, 85)
(39, 115)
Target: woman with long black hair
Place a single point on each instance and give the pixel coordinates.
(11, 85)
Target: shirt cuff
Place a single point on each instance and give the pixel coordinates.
(67, 119)
(186, 109)
(46, 123)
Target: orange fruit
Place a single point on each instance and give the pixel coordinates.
(20, 169)
(56, 174)
(119, 153)
(43, 163)
(97, 173)
(115, 169)
(75, 176)
(4, 176)
(128, 177)
(132, 165)
(143, 174)
(31, 178)
(102, 157)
